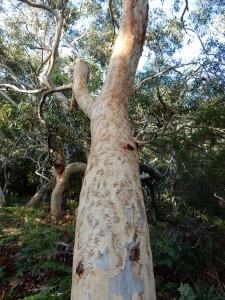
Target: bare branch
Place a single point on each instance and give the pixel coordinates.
(5, 86)
(41, 66)
(41, 175)
(55, 47)
(56, 197)
(58, 36)
(41, 191)
(35, 47)
(185, 9)
(221, 199)
(62, 98)
(14, 77)
(40, 5)
(80, 91)
(10, 100)
(141, 143)
(137, 86)
(77, 167)
(112, 15)
(199, 38)
(152, 172)
(43, 99)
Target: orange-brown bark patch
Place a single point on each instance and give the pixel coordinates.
(80, 269)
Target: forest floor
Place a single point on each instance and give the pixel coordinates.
(36, 257)
(35, 254)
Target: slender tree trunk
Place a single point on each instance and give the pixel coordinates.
(2, 198)
(38, 196)
(112, 254)
(61, 183)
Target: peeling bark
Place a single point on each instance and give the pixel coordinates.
(61, 183)
(112, 254)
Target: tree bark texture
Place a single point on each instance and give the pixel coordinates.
(61, 183)
(40, 193)
(112, 254)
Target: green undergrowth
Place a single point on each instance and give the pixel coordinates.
(189, 263)
(36, 255)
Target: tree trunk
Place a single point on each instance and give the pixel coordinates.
(112, 254)
(2, 198)
(40, 193)
(61, 182)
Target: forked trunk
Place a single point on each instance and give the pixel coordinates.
(112, 254)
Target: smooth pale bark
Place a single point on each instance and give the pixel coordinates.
(38, 196)
(61, 183)
(112, 254)
(2, 198)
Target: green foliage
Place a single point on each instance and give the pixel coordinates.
(166, 249)
(205, 292)
(181, 112)
(186, 292)
(188, 255)
(40, 258)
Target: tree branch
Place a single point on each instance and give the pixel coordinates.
(43, 98)
(59, 31)
(55, 47)
(80, 91)
(5, 86)
(114, 20)
(128, 47)
(62, 98)
(185, 9)
(61, 182)
(138, 85)
(42, 6)
(41, 192)
(77, 167)
(38, 71)
(8, 99)
(14, 77)
(152, 172)
(199, 38)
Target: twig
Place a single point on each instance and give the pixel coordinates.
(14, 77)
(40, 5)
(137, 86)
(43, 98)
(41, 175)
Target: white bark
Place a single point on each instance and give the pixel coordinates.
(112, 255)
(61, 183)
